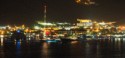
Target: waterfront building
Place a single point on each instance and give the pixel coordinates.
(86, 23)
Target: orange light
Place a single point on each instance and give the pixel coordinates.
(78, 1)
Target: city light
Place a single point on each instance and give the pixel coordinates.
(36, 27)
(85, 2)
(46, 24)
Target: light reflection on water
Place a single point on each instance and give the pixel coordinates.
(1, 48)
(18, 45)
(1, 41)
(76, 49)
(44, 51)
(18, 48)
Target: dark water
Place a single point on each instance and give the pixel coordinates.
(74, 49)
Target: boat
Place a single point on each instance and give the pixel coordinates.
(65, 40)
(18, 35)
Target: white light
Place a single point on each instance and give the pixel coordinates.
(36, 27)
(45, 23)
(67, 28)
(1, 36)
(29, 38)
(102, 23)
(1, 41)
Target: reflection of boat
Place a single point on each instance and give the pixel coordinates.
(65, 40)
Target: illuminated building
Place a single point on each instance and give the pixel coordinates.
(84, 22)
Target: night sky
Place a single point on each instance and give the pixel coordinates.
(17, 12)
